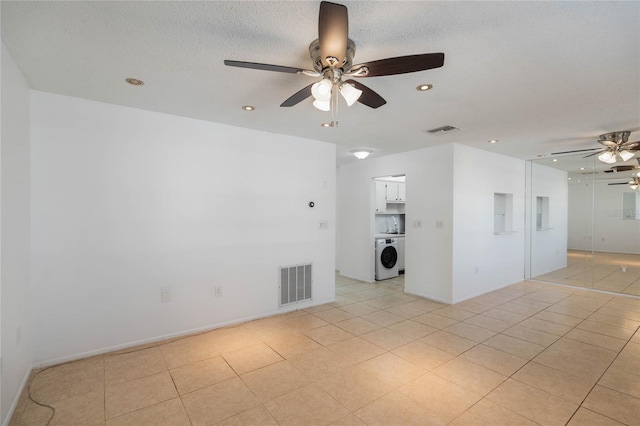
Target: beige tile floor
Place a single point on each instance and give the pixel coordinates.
(615, 272)
(528, 354)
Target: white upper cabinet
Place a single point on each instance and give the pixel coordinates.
(381, 197)
(396, 192)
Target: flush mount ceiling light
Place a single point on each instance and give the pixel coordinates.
(134, 81)
(555, 160)
(493, 141)
(424, 87)
(248, 107)
(361, 154)
(326, 124)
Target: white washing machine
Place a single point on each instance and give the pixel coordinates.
(386, 258)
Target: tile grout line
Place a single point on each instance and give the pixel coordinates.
(532, 360)
(601, 376)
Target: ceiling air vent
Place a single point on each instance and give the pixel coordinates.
(442, 130)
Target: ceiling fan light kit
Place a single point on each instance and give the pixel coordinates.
(332, 58)
(626, 155)
(607, 157)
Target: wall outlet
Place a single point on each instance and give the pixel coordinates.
(217, 291)
(165, 295)
(624, 268)
(439, 224)
(417, 224)
(323, 224)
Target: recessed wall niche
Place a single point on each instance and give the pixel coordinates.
(542, 213)
(502, 213)
(631, 205)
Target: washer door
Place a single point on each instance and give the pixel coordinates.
(389, 257)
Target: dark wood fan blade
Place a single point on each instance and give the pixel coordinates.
(333, 32)
(630, 146)
(368, 97)
(401, 64)
(595, 153)
(298, 97)
(617, 169)
(264, 67)
(577, 150)
(621, 183)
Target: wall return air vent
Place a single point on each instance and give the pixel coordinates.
(295, 284)
(442, 130)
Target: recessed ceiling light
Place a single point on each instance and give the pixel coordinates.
(248, 107)
(493, 141)
(555, 160)
(581, 168)
(540, 155)
(134, 82)
(424, 87)
(326, 124)
(569, 178)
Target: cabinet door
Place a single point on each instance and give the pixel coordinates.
(392, 192)
(402, 196)
(381, 197)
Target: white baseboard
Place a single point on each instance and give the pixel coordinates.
(100, 351)
(12, 409)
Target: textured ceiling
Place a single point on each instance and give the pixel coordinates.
(538, 76)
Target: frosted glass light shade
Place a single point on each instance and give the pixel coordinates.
(626, 155)
(633, 186)
(607, 157)
(321, 90)
(322, 105)
(350, 93)
(361, 154)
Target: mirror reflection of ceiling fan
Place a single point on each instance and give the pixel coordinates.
(615, 145)
(634, 183)
(332, 55)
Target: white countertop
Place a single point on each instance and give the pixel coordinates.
(389, 236)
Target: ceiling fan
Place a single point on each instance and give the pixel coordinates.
(332, 56)
(634, 183)
(616, 144)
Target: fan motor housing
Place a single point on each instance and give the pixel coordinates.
(314, 52)
(617, 137)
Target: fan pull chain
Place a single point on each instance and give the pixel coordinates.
(334, 105)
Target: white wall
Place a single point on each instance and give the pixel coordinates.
(549, 246)
(15, 204)
(483, 261)
(610, 232)
(580, 216)
(450, 185)
(429, 199)
(128, 202)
